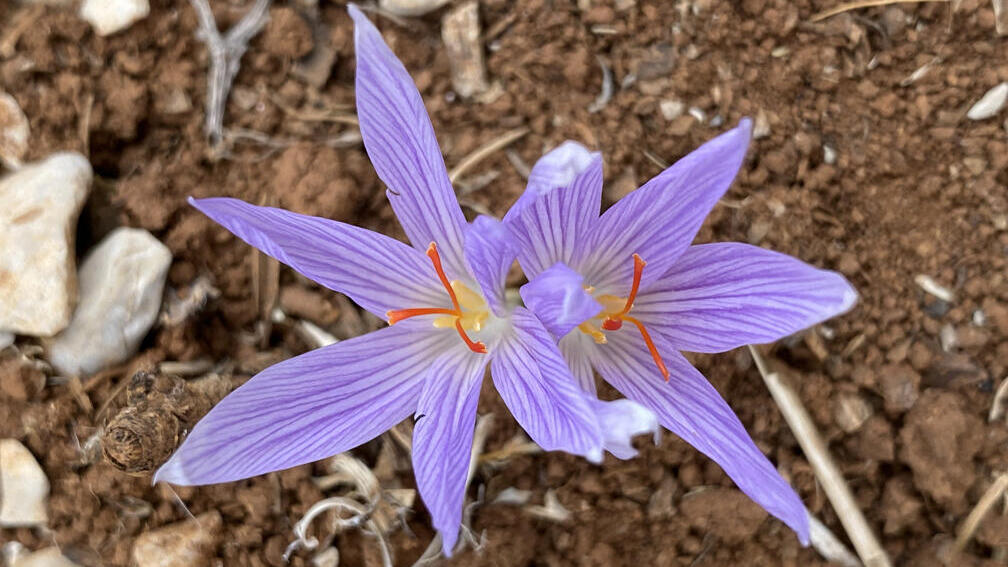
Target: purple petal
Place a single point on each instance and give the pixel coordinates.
(553, 227)
(377, 272)
(690, 407)
(442, 437)
(535, 383)
(557, 168)
(308, 408)
(490, 252)
(717, 297)
(558, 298)
(621, 421)
(659, 220)
(400, 141)
(574, 348)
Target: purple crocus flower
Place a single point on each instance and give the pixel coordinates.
(449, 319)
(625, 292)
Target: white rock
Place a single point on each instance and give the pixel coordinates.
(109, 16)
(121, 283)
(24, 485)
(410, 7)
(990, 104)
(48, 557)
(13, 132)
(190, 543)
(39, 206)
(671, 108)
(6, 339)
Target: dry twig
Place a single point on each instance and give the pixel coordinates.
(225, 56)
(858, 4)
(826, 471)
(481, 153)
(980, 511)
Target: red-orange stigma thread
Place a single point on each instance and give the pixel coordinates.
(614, 322)
(396, 315)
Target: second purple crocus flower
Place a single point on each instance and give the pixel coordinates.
(625, 292)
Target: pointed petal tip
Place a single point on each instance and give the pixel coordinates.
(448, 540)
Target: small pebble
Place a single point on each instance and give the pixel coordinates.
(121, 284)
(829, 155)
(408, 8)
(110, 16)
(39, 206)
(990, 104)
(851, 411)
(25, 487)
(671, 108)
(190, 543)
(761, 125)
(14, 132)
(900, 386)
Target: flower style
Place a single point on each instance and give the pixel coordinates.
(625, 292)
(448, 315)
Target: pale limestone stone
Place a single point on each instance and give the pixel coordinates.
(110, 16)
(24, 485)
(14, 132)
(410, 7)
(121, 284)
(191, 543)
(39, 206)
(48, 557)
(990, 103)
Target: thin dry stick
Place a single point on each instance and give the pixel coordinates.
(225, 55)
(826, 471)
(858, 4)
(485, 151)
(979, 512)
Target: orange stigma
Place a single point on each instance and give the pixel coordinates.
(396, 315)
(613, 320)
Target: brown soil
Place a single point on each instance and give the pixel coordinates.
(915, 188)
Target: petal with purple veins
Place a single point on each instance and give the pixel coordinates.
(558, 298)
(490, 253)
(621, 421)
(442, 437)
(537, 386)
(717, 297)
(574, 348)
(309, 407)
(376, 271)
(400, 141)
(553, 228)
(557, 168)
(692, 409)
(659, 220)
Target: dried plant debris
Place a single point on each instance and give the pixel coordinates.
(159, 410)
(182, 304)
(225, 56)
(460, 31)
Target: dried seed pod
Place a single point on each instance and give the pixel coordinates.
(159, 411)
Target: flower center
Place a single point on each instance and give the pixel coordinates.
(615, 310)
(468, 312)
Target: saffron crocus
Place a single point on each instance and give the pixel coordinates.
(625, 292)
(449, 319)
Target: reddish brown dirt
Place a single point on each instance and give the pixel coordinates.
(915, 188)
